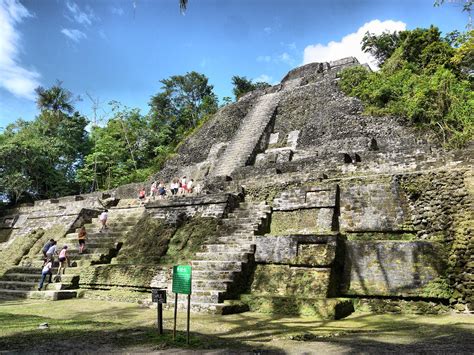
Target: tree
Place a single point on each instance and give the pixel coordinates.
(381, 47)
(422, 80)
(56, 99)
(39, 159)
(184, 102)
(242, 85)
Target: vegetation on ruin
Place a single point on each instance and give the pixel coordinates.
(424, 77)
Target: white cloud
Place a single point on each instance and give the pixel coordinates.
(268, 30)
(350, 44)
(264, 58)
(13, 77)
(117, 11)
(287, 59)
(263, 78)
(73, 34)
(85, 17)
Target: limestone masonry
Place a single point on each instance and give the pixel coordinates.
(306, 206)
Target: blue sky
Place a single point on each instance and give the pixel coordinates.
(120, 50)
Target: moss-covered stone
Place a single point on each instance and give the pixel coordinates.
(282, 280)
(323, 308)
(21, 246)
(383, 306)
(381, 236)
(189, 239)
(118, 275)
(307, 221)
(147, 242)
(438, 288)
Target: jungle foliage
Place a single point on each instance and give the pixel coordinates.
(55, 155)
(427, 78)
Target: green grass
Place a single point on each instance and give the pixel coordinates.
(90, 325)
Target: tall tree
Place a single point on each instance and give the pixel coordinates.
(242, 85)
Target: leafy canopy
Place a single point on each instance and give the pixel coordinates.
(423, 77)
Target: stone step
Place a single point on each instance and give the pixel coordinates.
(82, 260)
(28, 285)
(68, 278)
(46, 295)
(229, 247)
(251, 220)
(99, 236)
(244, 240)
(224, 256)
(115, 229)
(206, 284)
(111, 223)
(216, 265)
(87, 254)
(213, 274)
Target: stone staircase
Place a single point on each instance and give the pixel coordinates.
(22, 281)
(221, 269)
(242, 146)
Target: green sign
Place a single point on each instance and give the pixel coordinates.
(182, 279)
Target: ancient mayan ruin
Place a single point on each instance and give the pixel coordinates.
(306, 206)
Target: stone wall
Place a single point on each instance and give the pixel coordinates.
(395, 268)
(172, 210)
(442, 209)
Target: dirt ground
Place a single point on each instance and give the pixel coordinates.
(89, 326)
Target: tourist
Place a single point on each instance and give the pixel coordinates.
(103, 220)
(47, 246)
(174, 187)
(153, 190)
(82, 239)
(182, 185)
(142, 195)
(161, 189)
(189, 186)
(63, 260)
(46, 271)
(51, 252)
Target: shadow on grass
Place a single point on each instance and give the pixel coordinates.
(20, 333)
(243, 333)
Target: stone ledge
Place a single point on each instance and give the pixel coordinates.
(325, 308)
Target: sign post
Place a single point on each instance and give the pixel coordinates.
(182, 284)
(159, 296)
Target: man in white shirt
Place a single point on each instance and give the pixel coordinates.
(46, 271)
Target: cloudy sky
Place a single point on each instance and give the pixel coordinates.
(121, 49)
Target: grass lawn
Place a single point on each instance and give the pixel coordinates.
(90, 325)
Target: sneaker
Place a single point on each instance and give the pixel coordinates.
(39, 289)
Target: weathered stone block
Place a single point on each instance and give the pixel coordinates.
(408, 269)
(308, 221)
(298, 282)
(316, 254)
(309, 250)
(323, 308)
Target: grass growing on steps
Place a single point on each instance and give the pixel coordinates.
(147, 242)
(88, 325)
(28, 246)
(153, 241)
(149, 247)
(189, 239)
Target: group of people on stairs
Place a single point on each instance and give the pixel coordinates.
(50, 250)
(176, 187)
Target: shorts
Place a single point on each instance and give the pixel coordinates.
(82, 242)
(62, 259)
